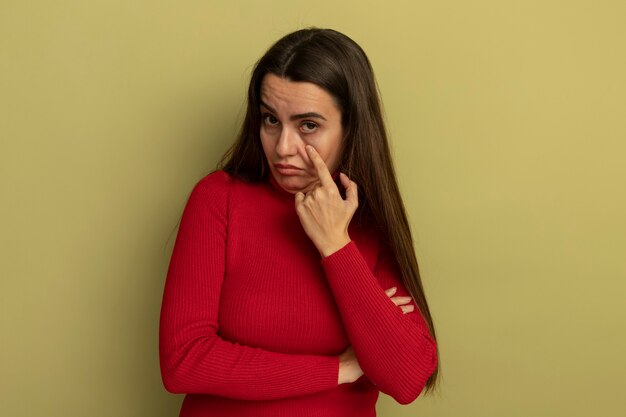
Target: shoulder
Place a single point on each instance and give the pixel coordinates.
(216, 184)
(211, 192)
(217, 178)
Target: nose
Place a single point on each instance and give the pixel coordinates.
(287, 143)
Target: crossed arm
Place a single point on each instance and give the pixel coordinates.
(394, 350)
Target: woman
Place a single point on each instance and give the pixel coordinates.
(289, 285)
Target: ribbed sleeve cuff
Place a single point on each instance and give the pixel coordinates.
(322, 374)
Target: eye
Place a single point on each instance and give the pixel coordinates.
(269, 120)
(309, 127)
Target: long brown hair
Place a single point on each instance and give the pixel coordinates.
(336, 63)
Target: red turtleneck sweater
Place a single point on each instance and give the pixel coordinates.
(253, 319)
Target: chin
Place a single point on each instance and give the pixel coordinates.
(293, 184)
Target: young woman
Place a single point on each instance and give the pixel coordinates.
(293, 287)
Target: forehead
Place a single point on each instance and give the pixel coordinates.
(295, 96)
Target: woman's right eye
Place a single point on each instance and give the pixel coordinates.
(270, 120)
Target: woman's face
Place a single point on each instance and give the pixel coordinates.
(293, 115)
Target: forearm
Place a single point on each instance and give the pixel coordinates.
(211, 365)
(395, 350)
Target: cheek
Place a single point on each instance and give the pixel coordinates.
(331, 146)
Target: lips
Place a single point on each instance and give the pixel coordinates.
(286, 166)
(288, 170)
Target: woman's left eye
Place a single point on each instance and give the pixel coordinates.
(309, 126)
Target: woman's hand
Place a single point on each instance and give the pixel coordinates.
(349, 369)
(400, 301)
(324, 214)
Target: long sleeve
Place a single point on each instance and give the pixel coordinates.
(395, 350)
(193, 357)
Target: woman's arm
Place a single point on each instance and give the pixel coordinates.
(193, 357)
(395, 350)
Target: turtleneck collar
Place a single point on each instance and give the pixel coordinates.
(284, 194)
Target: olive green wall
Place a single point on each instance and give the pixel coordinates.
(507, 127)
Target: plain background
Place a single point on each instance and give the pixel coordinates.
(507, 128)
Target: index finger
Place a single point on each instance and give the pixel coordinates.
(320, 166)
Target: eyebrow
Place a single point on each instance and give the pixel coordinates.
(296, 116)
